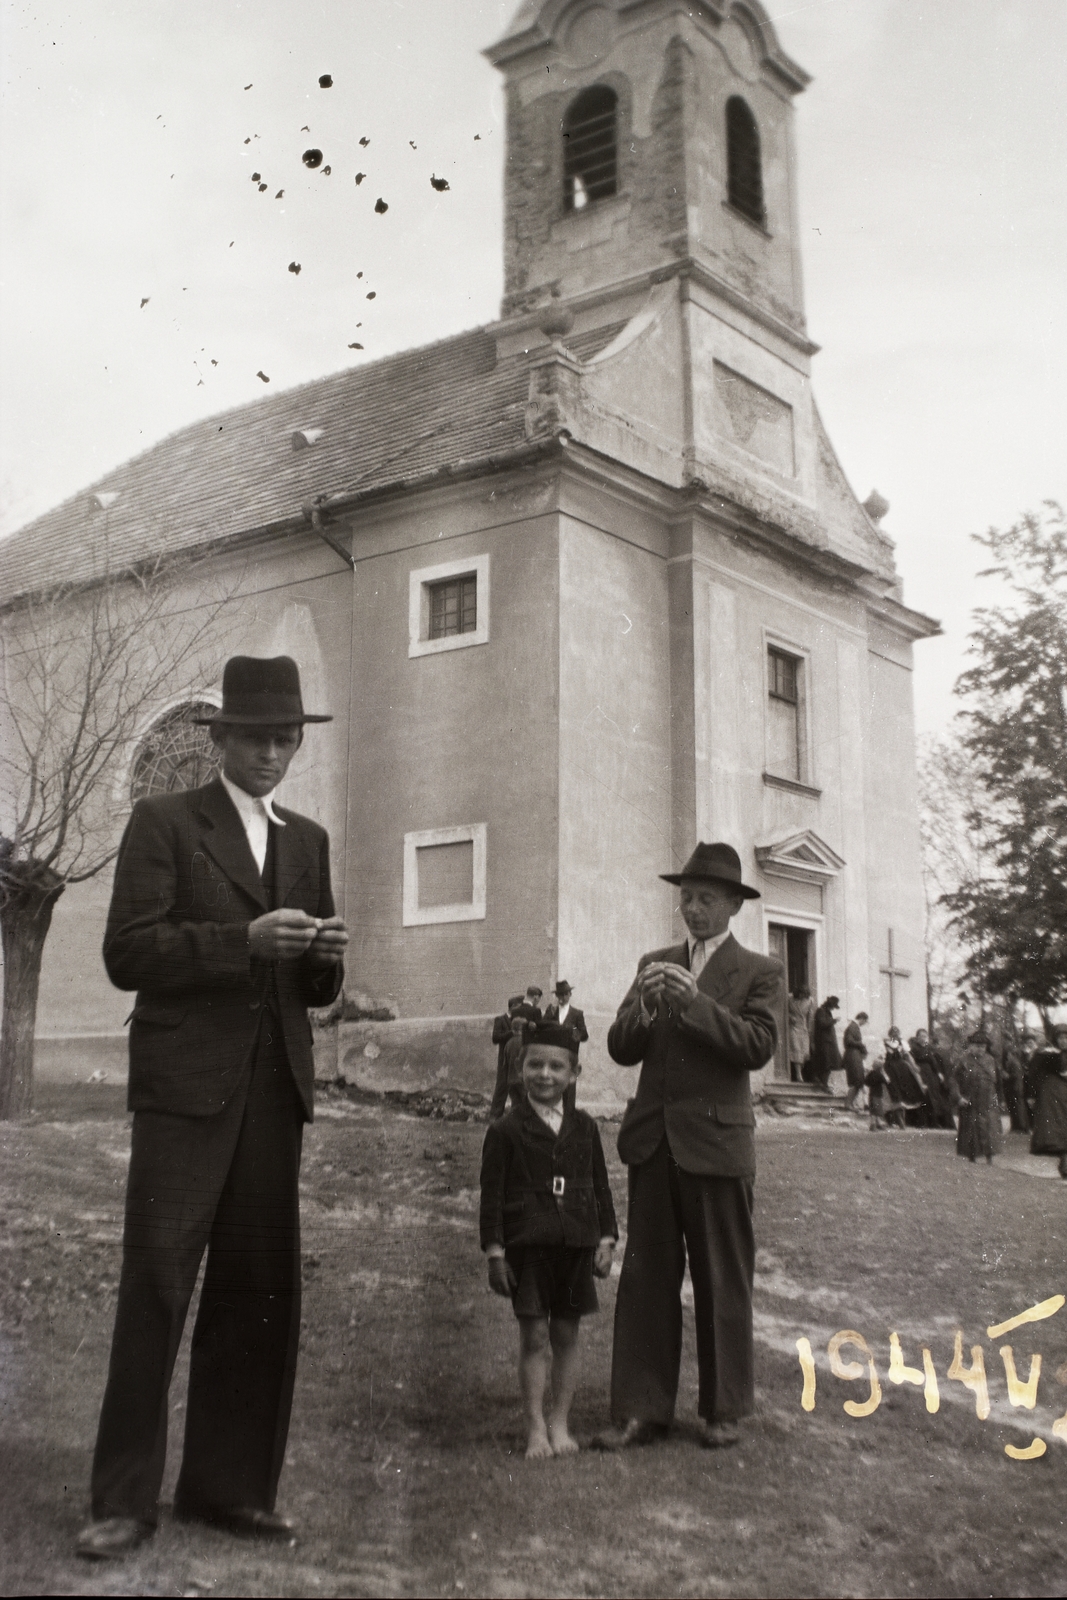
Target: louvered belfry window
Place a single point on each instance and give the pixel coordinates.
(590, 148)
(744, 171)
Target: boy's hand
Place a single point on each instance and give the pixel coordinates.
(603, 1256)
(501, 1278)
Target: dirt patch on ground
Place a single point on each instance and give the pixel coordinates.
(404, 1467)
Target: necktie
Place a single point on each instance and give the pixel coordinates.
(697, 959)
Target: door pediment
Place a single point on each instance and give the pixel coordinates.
(802, 856)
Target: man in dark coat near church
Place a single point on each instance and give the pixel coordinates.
(222, 919)
(698, 1017)
(825, 1050)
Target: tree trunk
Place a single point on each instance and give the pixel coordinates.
(26, 908)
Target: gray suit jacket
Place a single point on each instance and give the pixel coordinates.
(694, 1086)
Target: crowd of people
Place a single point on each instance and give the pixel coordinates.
(919, 1084)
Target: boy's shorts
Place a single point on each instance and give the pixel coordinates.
(553, 1280)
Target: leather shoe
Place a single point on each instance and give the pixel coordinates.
(247, 1522)
(112, 1536)
(634, 1433)
(720, 1435)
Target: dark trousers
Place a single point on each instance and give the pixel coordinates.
(227, 1182)
(670, 1213)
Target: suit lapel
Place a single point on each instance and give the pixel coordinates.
(291, 860)
(225, 840)
(717, 977)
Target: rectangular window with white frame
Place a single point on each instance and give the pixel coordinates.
(444, 875)
(448, 606)
(788, 753)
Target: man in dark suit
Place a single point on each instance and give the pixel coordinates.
(565, 1015)
(222, 919)
(699, 1017)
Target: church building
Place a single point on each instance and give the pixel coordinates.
(580, 587)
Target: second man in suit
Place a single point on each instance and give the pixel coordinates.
(698, 1017)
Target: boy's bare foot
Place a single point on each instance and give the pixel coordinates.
(538, 1447)
(562, 1440)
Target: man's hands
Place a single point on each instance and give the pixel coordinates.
(665, 980)
(501, 1278)
(603, 1256)
(287, 934)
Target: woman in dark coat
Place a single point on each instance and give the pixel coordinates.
(974, 1096)
(930, 1066)
(825, 1051)
(1047, 1082)
(855, 1051)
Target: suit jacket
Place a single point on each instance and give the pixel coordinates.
(694, 1084)
(575, 1020)
(186, 889)
(521, 1157)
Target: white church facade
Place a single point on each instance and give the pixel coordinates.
(580, 587)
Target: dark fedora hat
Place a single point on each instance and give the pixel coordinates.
(261, 691)
(718, 861)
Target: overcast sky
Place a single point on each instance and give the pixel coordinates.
(933, 184)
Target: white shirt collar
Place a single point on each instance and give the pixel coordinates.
(250, 805)
(710, 945)
(552, 1115)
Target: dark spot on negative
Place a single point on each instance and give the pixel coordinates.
(326, 82)
(305, 129)
(380, 207)
(256, 176)
(359, 274)
(364, 142)
(280, 195)
(145, 301)
(263, 375)
(214, 363)
(355, 347)
(312, 158)
(440, 184)
(360, 176)
(413, 145)
(477, 135)
(294, 267)
(326, 171)
(248, 86)
(372, 294)
(262, 187)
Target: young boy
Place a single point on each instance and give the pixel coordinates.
(547, 1225)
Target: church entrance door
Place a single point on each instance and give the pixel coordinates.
(795, 949)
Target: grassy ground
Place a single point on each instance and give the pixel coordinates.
(405, 1467)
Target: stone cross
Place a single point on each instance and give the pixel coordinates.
(891, 972)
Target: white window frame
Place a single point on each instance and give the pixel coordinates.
(419, 585)
(416, 916)
(802, 655)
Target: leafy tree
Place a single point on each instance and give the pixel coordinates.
(84, 668)
(1010, 910)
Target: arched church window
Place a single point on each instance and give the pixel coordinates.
(744, 171)
(589, 147)
(175, 753)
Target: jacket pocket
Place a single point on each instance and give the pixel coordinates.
(158, 1016)
(735, 1116)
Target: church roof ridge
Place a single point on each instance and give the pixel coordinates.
(236, 472)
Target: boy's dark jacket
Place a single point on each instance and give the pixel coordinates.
(520, 1157)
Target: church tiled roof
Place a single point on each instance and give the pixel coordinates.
(446, 404)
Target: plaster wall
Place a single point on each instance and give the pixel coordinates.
(463, 737)
(894, 874)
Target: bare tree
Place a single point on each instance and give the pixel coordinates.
(84, 667)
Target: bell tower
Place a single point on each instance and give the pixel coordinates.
(646, 137)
